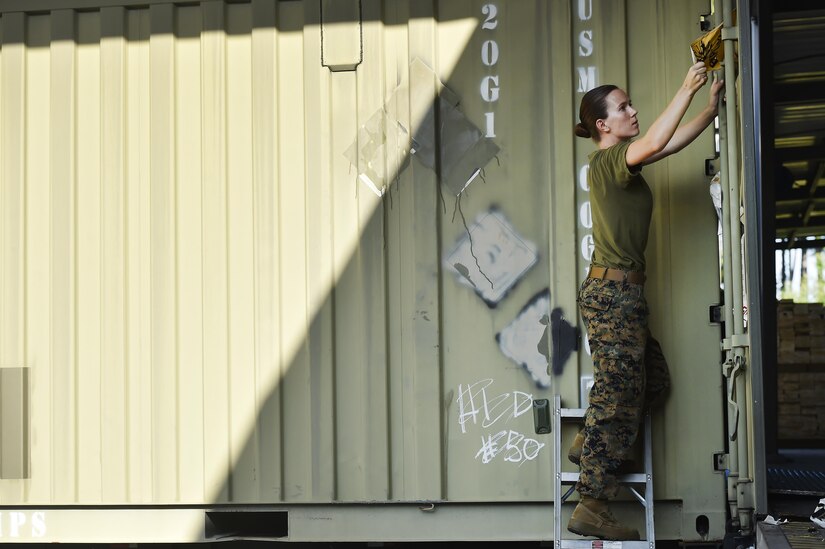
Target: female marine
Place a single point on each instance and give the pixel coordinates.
(629, 369)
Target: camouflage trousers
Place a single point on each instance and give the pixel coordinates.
(630, 374)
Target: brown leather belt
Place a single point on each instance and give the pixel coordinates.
(606, 273)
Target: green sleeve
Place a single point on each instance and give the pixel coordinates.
(615, 159)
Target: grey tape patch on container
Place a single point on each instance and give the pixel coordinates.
(383, 145)
(463, 149)
(377, 140)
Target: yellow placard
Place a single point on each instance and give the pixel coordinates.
(709, 48)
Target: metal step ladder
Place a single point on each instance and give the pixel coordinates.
(631, 482)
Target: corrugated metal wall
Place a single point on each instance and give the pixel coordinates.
(210, 303)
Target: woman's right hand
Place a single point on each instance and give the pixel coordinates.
(715, 89)
(697, 77)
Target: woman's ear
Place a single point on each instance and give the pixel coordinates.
(601, 125)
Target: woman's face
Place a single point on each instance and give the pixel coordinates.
(621, 116)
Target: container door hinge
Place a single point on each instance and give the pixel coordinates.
(715, 314)
(711, 166)
(720, 462)
(740, 341)
(745, 488)
(730, 33)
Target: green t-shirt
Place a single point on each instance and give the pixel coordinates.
(621, 205)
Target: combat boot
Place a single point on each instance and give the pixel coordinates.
(574, 454)
(592, 517)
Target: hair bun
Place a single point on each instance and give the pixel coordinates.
(581, 131)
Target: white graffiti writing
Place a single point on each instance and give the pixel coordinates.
(477, 406)
(515, 447)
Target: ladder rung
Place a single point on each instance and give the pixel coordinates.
(601, 544)
(572, 412)
(569, 478)
(634, 478)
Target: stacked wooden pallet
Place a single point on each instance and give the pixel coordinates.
(801, 370)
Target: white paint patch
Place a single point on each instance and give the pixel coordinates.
(519, 341)
(491, 258)
(511, 445)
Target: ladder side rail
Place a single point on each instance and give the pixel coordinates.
(557, 499)
(650, 535)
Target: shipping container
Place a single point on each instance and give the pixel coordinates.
(298, 270)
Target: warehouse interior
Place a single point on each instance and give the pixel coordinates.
(791, 88)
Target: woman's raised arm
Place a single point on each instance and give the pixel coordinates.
(657, 139)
